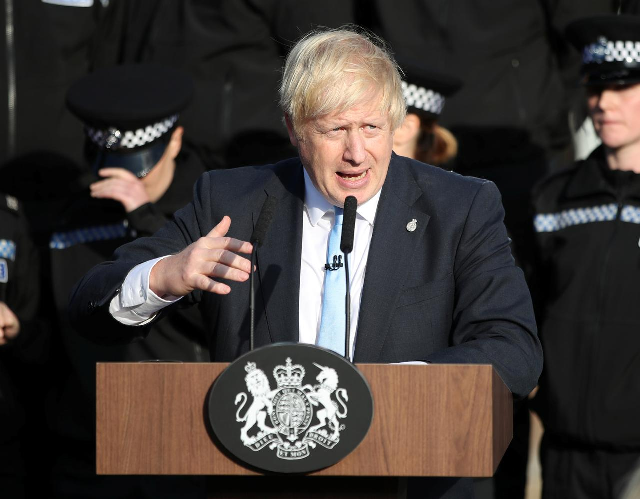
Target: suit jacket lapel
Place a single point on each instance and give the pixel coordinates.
(279, 258)
(392, 246)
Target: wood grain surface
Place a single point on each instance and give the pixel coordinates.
(432, 420)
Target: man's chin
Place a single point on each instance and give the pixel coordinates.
(362, 197)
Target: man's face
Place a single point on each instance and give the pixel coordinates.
(348, 153)
(615, 111)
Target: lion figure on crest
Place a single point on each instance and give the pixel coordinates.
(258, 386)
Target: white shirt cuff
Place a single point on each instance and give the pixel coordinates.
(136, 304)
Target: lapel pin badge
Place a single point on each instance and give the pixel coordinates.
(411, 226)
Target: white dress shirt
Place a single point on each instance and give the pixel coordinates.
(137, 304)
(317, 221)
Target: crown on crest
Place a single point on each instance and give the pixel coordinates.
(289, 376)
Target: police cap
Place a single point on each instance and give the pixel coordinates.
(425, 89)
(610, 46)
(129, 112)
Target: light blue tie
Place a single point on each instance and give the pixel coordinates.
(332, 322)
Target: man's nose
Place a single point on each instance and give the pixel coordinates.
(354, 148)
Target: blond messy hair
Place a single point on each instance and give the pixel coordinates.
(334, 70)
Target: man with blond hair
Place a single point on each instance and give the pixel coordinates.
(431, 271)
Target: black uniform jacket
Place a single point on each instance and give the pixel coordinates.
(588, 236)
(19, 290)
(90, 231)
(446, 292)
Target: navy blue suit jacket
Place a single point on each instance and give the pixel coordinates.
(448, 292)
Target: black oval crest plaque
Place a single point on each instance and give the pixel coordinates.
(290, 408)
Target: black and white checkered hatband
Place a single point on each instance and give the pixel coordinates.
(422, 98)
(114, 139)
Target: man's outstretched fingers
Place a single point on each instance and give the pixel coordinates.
(212, 286)
(227, 258)
(221, 229)
(229, 243)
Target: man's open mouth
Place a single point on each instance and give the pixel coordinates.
(352, 177)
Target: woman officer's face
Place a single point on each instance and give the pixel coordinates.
(615, 111)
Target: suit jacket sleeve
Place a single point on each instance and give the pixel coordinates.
(90, 298)
(493, 320)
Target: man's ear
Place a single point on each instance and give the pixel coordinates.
(175, 143)
(408, 131)
(292, 134)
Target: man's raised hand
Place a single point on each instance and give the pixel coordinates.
(199, 264)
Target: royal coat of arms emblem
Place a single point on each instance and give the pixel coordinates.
(283, 408)
(294, 417)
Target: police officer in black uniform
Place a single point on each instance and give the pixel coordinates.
(22, 341)
(141, 175)
(587, 222)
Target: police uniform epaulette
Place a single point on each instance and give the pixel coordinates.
(9, 203)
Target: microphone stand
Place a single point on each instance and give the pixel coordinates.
(347, 308)
(257, 238)
(346, 245)
(252, 299)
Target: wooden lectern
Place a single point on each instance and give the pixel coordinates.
(429, 420)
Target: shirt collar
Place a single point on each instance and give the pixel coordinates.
(316, 205)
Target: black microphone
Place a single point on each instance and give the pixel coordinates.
(257, 238)
(346, 246)
(348, 224)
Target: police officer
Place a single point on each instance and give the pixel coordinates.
(22, 340)
(587, 222)
(420, 137)
(141, 175)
